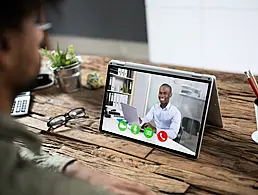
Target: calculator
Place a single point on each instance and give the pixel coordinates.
(21, 104)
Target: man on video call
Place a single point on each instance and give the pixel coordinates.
(166, 116)
(27, 170)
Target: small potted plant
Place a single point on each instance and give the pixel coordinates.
(66, 67)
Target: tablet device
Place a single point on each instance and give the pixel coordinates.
(161, 107)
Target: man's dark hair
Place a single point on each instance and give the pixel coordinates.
(167, 85)
(13, 12)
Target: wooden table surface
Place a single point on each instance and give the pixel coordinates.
(228, 162)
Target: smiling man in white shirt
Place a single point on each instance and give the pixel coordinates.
(166, 116)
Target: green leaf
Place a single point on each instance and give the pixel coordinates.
(59, 59)
(58, 49)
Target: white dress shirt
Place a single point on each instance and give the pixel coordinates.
(167, 119)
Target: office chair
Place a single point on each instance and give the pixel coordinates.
(179, 135)
(190, 126)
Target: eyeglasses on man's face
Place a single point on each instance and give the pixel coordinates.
(60, 120)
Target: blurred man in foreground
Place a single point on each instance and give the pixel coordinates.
(28, 171)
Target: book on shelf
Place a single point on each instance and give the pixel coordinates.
(130, 87)
(111, 84)
(121, 85)
(129, 74)
(115, 99)
(114, 70)
(121, 72)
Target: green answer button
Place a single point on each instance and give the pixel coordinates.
(122, 125)
(135, 129)
(148, 132)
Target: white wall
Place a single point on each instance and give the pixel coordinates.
(210, 34)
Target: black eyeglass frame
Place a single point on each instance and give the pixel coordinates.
(67, 117)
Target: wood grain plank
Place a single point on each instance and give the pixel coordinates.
(90, 134)
(91, 100)
(56, 142)
(36, 123)
(219, 153)
(151, 180)
(192, 190)
(132, 161)
(108, 141)
(239, 109)
(211, 179)
(46, 111)
(87, 131)
(33, 122)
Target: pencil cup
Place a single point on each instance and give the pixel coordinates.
(255, 134)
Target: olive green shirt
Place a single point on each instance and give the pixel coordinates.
(28, 171)
(55, 163)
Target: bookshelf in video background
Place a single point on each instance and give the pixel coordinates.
(120, 87)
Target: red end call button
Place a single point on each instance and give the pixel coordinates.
(162, 136)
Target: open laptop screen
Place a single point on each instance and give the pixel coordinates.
(164, 110)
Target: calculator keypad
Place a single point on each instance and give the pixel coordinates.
(23, 107)
(20, 105)
(13, 106)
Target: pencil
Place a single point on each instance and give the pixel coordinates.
(253, 78)
(251, 83)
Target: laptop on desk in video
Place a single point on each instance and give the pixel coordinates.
(193, 100)
(131, 115)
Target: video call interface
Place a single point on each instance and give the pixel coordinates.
(153, 108)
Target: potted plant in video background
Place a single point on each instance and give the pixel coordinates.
(66, 66)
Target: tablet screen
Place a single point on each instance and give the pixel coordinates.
(158, 109)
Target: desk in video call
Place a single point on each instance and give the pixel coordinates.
(111, 124)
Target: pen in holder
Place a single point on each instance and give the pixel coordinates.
(255, 133)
